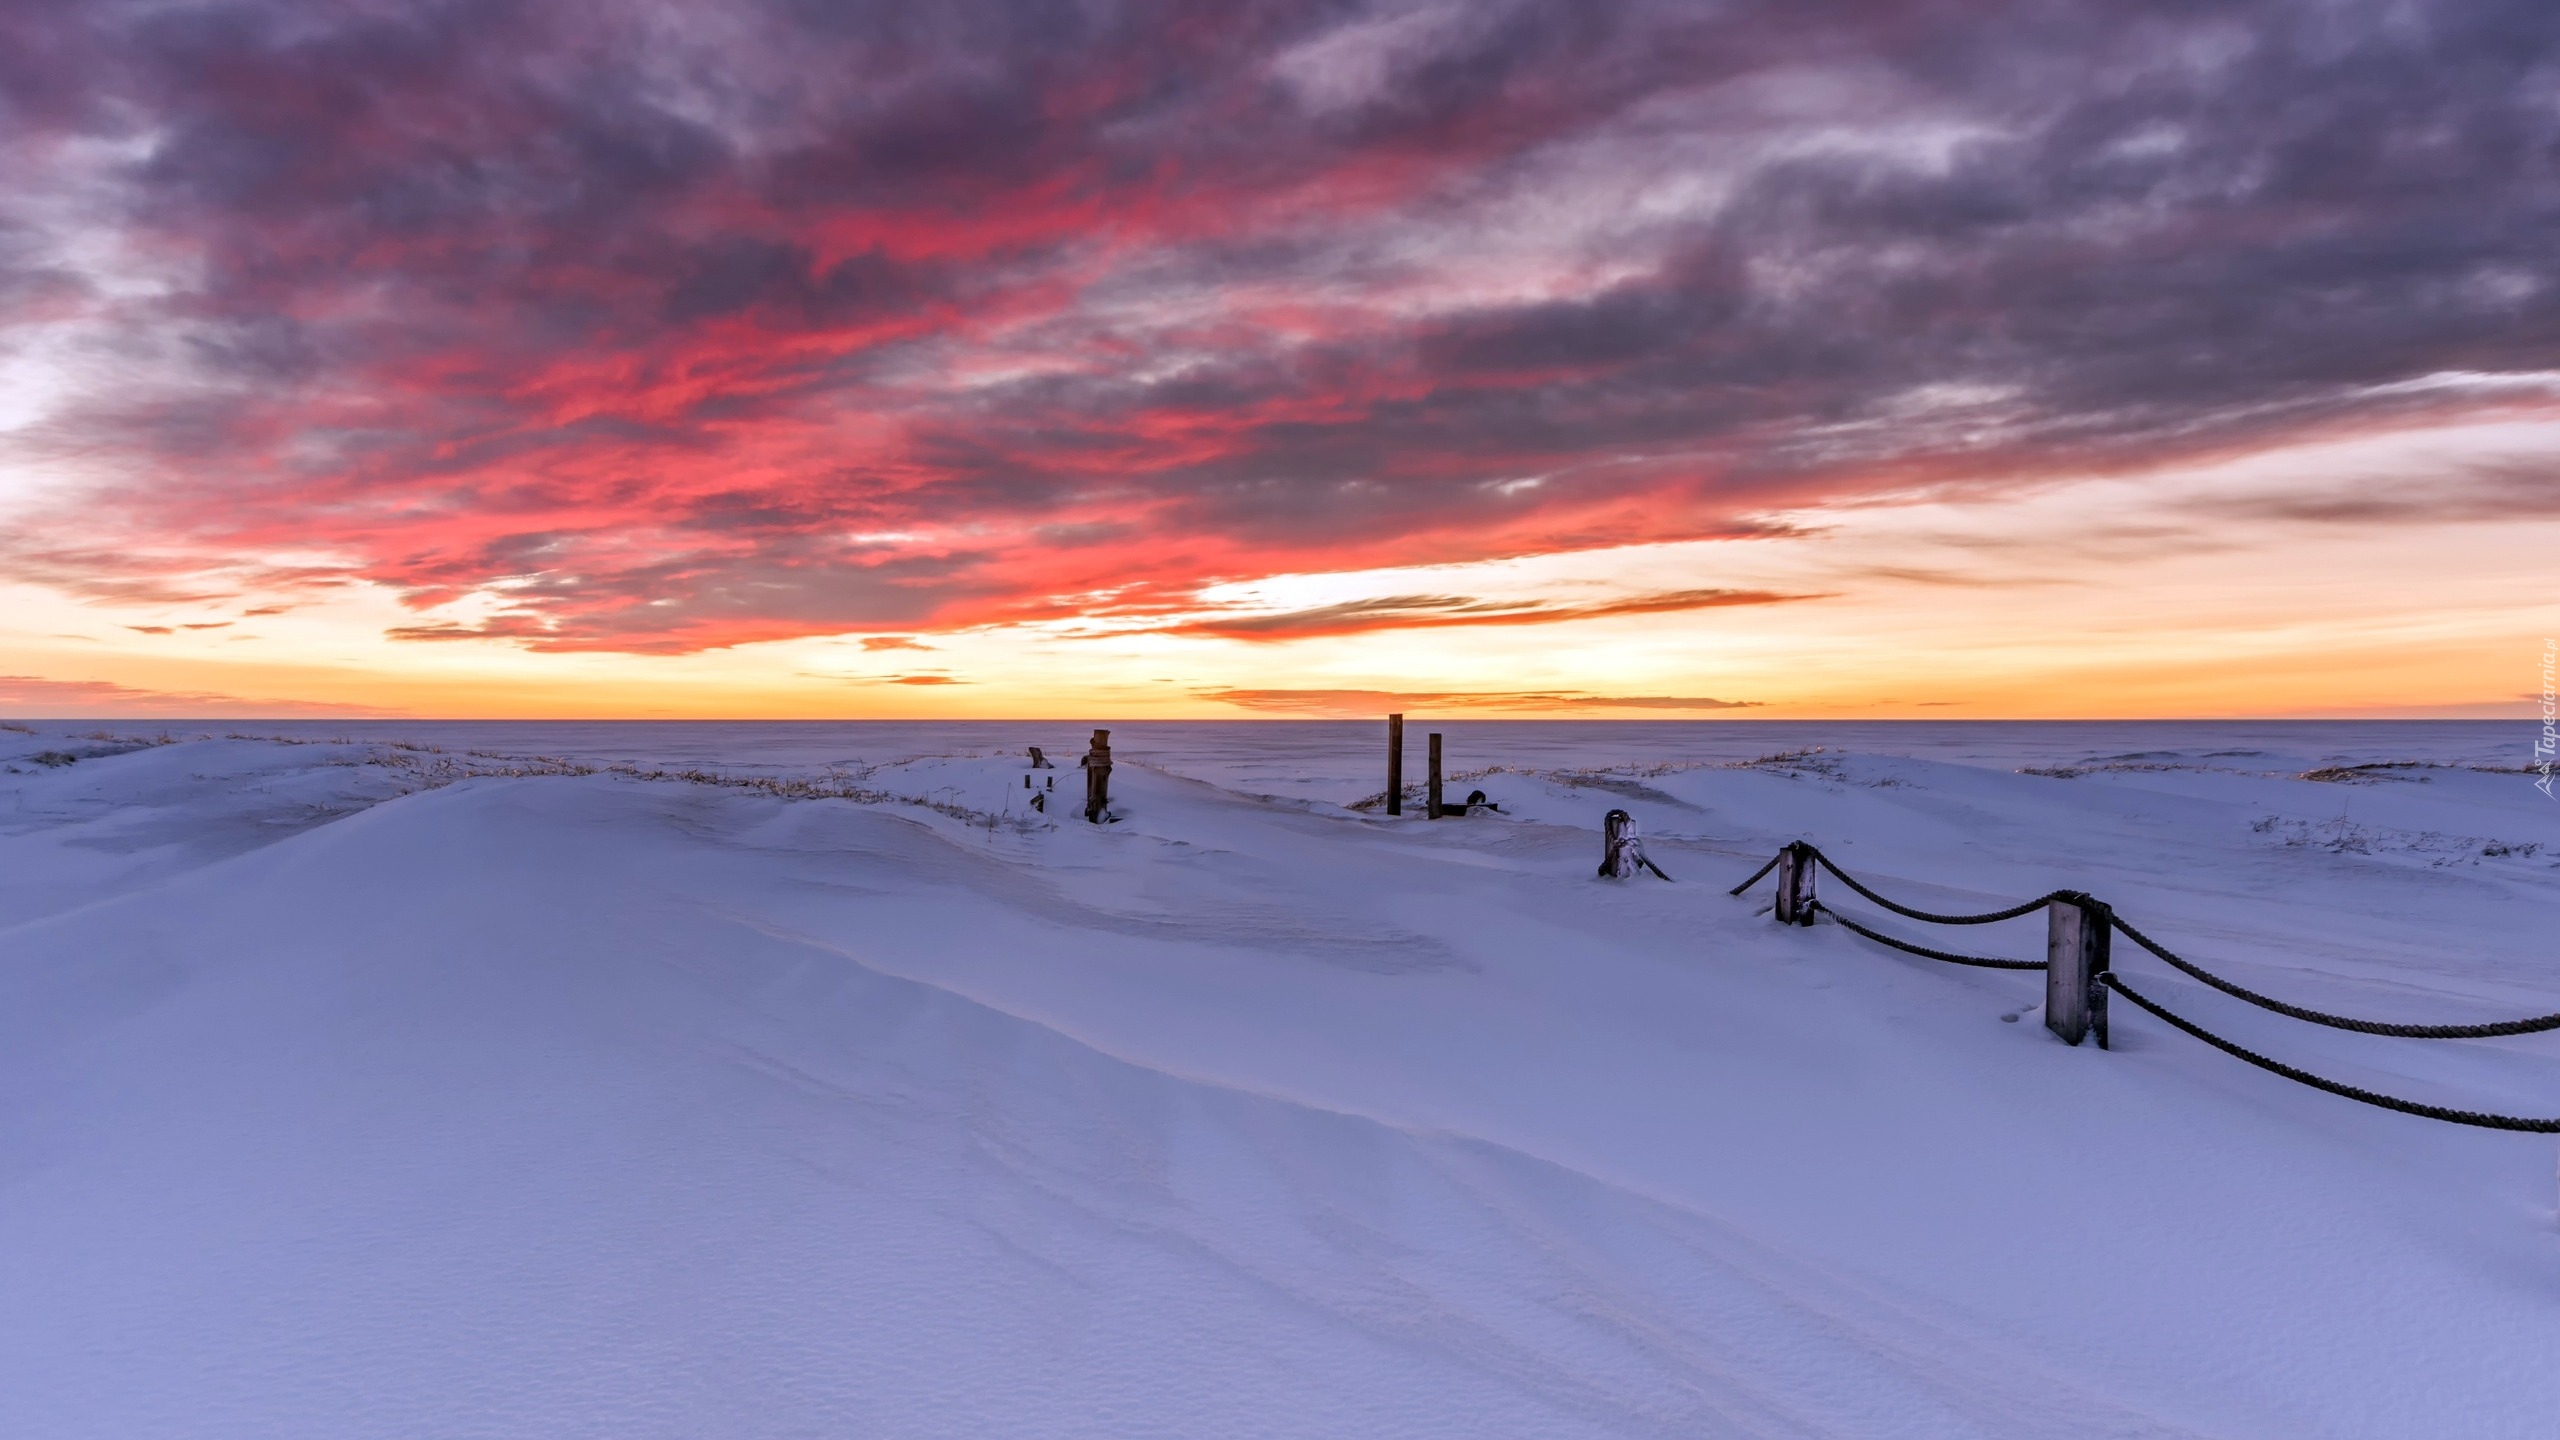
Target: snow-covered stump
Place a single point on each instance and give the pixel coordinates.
(1795, 884)
(2075, 955)
(1616, 828)
(1395, 764)
(1097, 777)
(1433, 804)
(1621, 852)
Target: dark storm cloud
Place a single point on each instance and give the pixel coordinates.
(693, 325)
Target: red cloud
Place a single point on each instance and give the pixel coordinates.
(1406, 612)
(29, 695)
(672, 334)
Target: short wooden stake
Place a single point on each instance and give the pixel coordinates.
(1097, 777)
(1395, 764)
(1621, 851)
(1795, 884)
(2075, 955)
(1434, 804)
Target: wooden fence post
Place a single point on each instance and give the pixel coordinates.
(1097, 777)
(2076, 949)
(1433, 809)
(2097, 938)
(1795, 884)
(1395, 764)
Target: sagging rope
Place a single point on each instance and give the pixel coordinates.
(2013, 912)
(2532, 1026)
(1737, 890)
(2488, 1030)
(2335, 1087)
(2107, 980)
(1986, 962)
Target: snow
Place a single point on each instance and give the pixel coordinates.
(357, 1083)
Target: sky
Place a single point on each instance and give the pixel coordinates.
(1278, 358)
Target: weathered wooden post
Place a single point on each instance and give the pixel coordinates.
(1615, 827)
(1433, 808)
(2076, 950)
(1795, 884)
(1621, 852)
(1395, 764)
(1097, 777)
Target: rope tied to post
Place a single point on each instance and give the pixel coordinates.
(2087, 922)
(1621, 852)
(2487, 1030)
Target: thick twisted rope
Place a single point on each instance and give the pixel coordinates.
(2488, 1030)
(2531, 1026)
(2334, 1087)
(1756, 874)
(2012, 913)
(1986, 962)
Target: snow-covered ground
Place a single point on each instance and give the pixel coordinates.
(569, 1080)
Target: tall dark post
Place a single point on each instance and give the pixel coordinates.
(1795, 884)
(1433, 809)
(2075, 954)
(1395, 764)
(1097, 776)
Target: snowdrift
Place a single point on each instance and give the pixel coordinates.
(752, 1081)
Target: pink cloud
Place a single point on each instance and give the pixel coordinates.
(35, 696)
(914, 327)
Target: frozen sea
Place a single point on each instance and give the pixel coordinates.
(649, 1079)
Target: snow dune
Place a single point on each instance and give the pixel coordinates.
(359, 1090)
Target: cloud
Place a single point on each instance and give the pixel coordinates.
(893, 642)
(1376, 702)
(1406, 612)
(32, 695)
(687, 327)
(924, 680)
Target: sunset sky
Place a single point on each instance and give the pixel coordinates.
(795, 358)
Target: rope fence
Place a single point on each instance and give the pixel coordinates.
(2079, 977)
